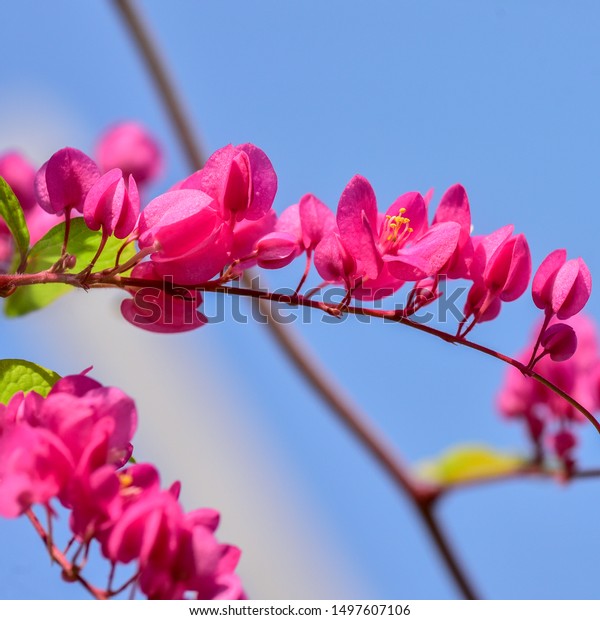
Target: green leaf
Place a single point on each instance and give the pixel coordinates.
(12, 213)
(23, 376)
(469, 462)
(83, 243)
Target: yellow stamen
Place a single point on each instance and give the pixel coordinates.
(127, 487)
(125, 479)
(397, 227)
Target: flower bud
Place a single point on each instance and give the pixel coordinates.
(561, 287)
(63, 182)
(112, 205)
(559, 341)
(276, 250)
(131, 148)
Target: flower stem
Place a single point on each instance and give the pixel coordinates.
(68, 569)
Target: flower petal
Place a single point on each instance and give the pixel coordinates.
(357, 223)
(428, 255)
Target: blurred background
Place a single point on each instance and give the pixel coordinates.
(503, 97)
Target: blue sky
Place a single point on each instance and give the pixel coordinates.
(500, 96)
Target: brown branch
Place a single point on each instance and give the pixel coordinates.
(520, 473)
(162, 81)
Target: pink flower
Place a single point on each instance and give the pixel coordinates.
(176, 553)
(308, 221)
(241, 180)
(79, 410)
(63, 182)
(246, 235)
(524, 398)
(334, 262)
(191, 241)
(276, 250)
(454, 207)
(508, 269)
(130, 147)
(561, 287)
(35, 466)
(72, 445)
(95, 502)
(559, 341)
(400, 240)
(98, 497)
(112, 205)
(20, 175)
(500, 270)
(300, 228)
(197, 228)
(161, 311)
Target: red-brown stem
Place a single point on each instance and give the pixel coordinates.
(305, 274)
(59, 263)
(55, 554)
(533, 361)
(519, 473)
(102, 280)
(393, 315)
(99, 251)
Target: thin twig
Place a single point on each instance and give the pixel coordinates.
(61, 560)
(520, 473)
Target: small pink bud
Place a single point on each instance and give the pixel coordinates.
(64, 181)
(20, 175)
(508, 270)
(561, 287)
(316, 219)
(559, 341)
(276, 250)
(112, 205)
(571, 289)
(564, 441)
(333, 261)
(131, 148)
(423, 293)
(481, 303)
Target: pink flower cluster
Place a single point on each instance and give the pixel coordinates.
(74, 446)
(569, 358)
(219, 221)
(550, 420)
(127, 156)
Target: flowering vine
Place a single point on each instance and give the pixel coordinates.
(199, 237)
(83, 222)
